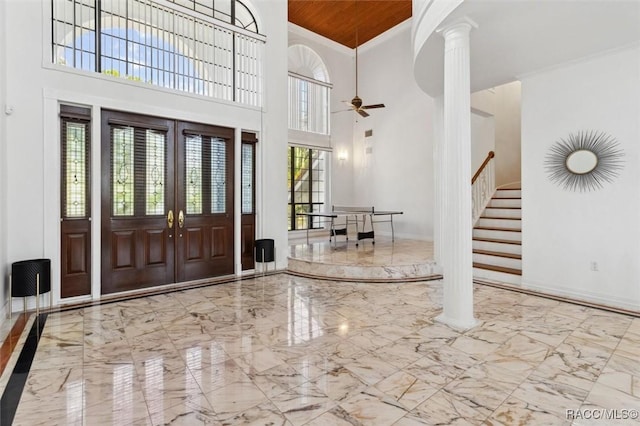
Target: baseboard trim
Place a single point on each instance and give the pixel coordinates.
(530, 290)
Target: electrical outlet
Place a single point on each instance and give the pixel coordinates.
(594, 266)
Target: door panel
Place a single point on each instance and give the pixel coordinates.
(124, 249)
(137, 194)
(76, 258)
(219, 243)
(205, 195)
(195, 248)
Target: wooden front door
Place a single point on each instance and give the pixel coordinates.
(161, 216)
(205, 201)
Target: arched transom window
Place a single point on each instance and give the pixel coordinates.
(206, 47)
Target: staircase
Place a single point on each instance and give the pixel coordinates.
(497, 239)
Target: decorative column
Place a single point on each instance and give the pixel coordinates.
(438, 214)
(456, 206)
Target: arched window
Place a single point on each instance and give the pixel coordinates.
(309, 138)
(309, 89)
(206, 47)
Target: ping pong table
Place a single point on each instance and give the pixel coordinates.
(351, 215)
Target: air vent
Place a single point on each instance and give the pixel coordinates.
(368, 133)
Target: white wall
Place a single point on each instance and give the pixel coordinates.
(339, 62)
(483, 138)
(564, 231)
(503, 103)
(32, 150)
(398, 173)
(4, 270)
(273, 220)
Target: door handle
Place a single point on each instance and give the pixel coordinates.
(181, 219)
(170, 219)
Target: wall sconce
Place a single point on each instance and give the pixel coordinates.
(343, 155)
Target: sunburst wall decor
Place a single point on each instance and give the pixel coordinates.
(584, 161)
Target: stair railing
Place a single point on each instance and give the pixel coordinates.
(483, 185)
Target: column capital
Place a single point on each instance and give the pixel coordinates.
(462, 26)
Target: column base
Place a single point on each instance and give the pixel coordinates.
(457, 324)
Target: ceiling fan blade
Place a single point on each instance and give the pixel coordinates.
(341, 110)
(348, 103)
(362, 113)
(372, 106)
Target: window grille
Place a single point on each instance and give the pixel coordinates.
(186, 45)
(308, 105)
(307, 189)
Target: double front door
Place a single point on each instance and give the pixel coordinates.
(167, 201)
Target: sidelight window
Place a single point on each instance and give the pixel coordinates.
(247, 178)
(75, 161)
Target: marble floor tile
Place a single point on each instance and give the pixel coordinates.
(554, 398)
(303, 403)
(373, 407)
(286, 350)
(516, 412)
(406, 390)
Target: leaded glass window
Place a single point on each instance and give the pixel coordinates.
(122, 145)
(193, 170)
(247, 178)
(155, 170)
(76, 173)
(218, 175)
(75, 138)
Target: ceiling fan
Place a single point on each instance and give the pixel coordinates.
(356, 102)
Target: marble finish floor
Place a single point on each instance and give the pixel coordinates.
(293, 351)
(384, 261)
(383, 253)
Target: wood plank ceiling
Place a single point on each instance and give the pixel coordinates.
(339, 20)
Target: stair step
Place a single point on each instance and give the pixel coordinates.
(497, 268)
(499, 254)
(507, 193)
(505, 203)
(503, 213)
(500, 217)
(493, 222)
(512, 247)
(494, 240)
(497, 261)
(498, 234)
(489, 228)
